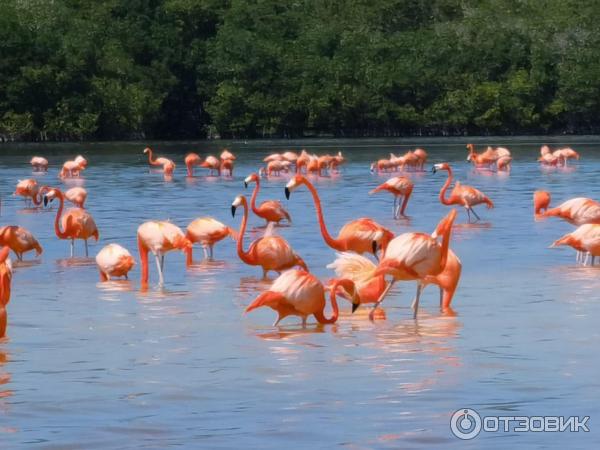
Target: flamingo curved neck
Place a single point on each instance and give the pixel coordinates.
(336, 244)
(443, 199)
(150, 160)
(320, 316)
(253, 199)
(60, 234)
(244, 256)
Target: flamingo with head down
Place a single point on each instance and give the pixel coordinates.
(300, 293)
(19, 240)
(39, 164)
(207, 231)
(361, 235)
(30, 190)
(400, 188)
(114, 261)
(168, 166)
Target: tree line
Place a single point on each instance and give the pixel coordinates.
(173, 69)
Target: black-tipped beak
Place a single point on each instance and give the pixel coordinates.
(233, 210)
(355, 307)
(287, 193)
(245, 185)
(375, 247)
(433, 169)
(45, 201)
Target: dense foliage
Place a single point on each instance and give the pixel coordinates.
(112, 69)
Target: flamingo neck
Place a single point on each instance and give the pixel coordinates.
(244, 256)
(320, 316)
(60, 234)
(443, 199)
(144, 260)
(445, 245)
(336, 244)
(150, 160)
(253, 199)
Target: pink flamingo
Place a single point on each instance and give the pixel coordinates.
(207, 231)
(114, 261)
(270, 210)
(576, 211)
(399, 187)
(168, 166)
(77, 196)
(39, 164)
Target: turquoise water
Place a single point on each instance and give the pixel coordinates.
(97, 365)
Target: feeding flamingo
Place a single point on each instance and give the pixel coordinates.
(361, 235)
(207, 231)
(576, 211)
(191, 160)
(270, 210)
(39, 164)
(19, 240)
(269, 252)
(168, 166)
(77, 196)
(462, 195)
(227, 155)
(299, 293)
(585, 239)
(227, 166)
(212, 163)
(114, 261)
(76, 223)
(70, 169)
(416, 256)
(30, 190)
(399, 187)
(5, 280)
(159, 237)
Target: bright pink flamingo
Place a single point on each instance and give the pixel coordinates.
(19, 240)
(168, 166)
(207, 231)
(76, 223)
(159, 237)
(576, 211)
(114, 261)
(30, 190)
(361, 236)
(416, 256)
(399, 187)
(270, 210)
(269, 252)
(77, 196)
(191, 160)
(39, 164)
(462, 195)
(585, 239)
(212, 163)
(299, 293)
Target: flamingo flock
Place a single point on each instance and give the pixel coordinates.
(370, 258)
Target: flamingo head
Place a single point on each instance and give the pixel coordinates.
(50, 194)
(81, 161)
(441, 166)
(147, 149)
(250, 178)
(293, 184)
(239, 200)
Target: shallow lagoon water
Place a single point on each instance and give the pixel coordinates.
(97, 365)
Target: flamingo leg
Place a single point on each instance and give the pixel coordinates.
(72, 247)
(441, 297)
(417, 298)
(468, 214)
(304, 322)
(394, 208)
(86, 248)
(473, 211)
(211, 251)
(205, 252)
(380, 299)
(161, 280)
(162, 262)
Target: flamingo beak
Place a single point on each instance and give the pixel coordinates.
(287, 193)
(355, 307)
(45, 201)
(433, 169)
(233, 207)
(245, 185)
(375, 247)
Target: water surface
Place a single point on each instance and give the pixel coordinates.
(91, 365)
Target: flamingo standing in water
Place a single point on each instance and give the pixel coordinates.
(191, 160)
(114, 261)
(19, 240)
(585, 239)
(207, 231)
(269, 252)
(5, 279)
(399, 187)
(299, 293)
(77, 196)
(361, 235)
(159, 237)
(462, 195)
(576, 211)
(168, 166)
(30, 190)
(76, 223)
(270, 210)
(369, 287)
(415, 256)
(212, 163)
(39, 164)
